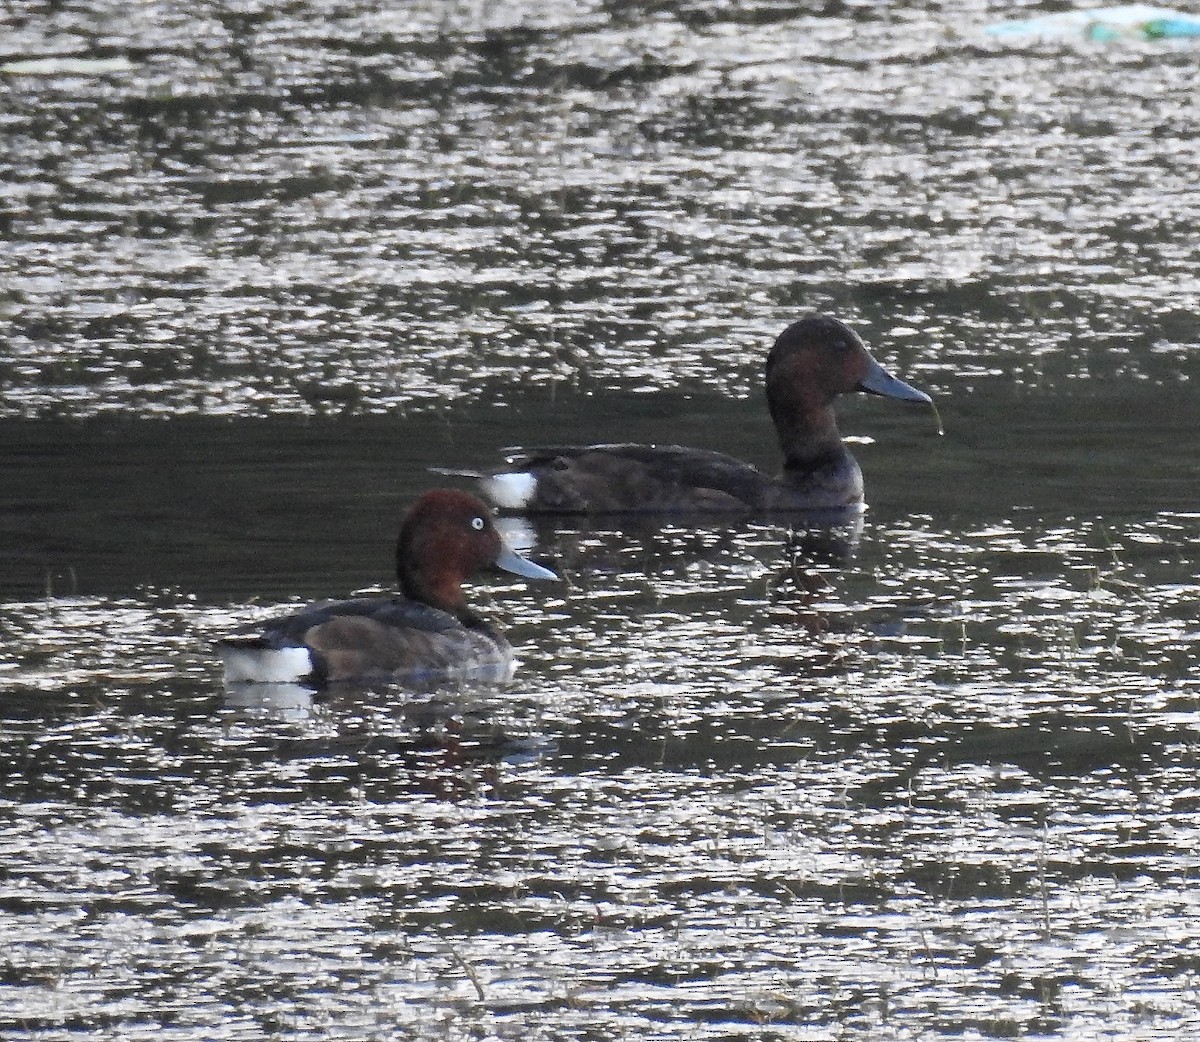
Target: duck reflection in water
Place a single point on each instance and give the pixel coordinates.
(451, 736)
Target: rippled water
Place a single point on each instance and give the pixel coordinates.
(265, 265)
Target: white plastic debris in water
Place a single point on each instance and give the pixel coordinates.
(1140, 21)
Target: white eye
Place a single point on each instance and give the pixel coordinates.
(477, 524)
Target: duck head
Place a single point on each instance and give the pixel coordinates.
(446, 538)
(811, 363)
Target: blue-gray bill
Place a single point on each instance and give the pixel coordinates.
(511, 561)
(879, 381)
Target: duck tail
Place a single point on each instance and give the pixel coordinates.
(252, 660)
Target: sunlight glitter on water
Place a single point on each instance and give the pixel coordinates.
(942, 788)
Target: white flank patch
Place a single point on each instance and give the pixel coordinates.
(510, 491)
(264, 665)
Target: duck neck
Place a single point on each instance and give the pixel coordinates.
(808, 435)
(440, 591)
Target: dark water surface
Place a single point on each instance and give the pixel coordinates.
(263, 266)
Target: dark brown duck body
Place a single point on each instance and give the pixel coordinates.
(811, 363)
